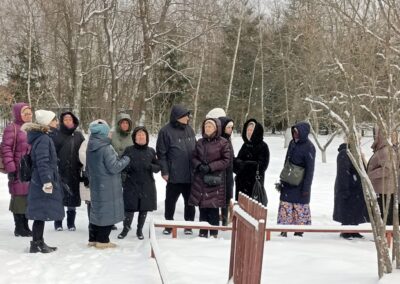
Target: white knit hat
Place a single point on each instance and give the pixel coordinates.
(216, 113)
(44, 117)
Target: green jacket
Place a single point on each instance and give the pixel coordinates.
(121, 139)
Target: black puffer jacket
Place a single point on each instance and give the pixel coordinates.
(67, 142)
(175, 144)
(253, 153)
(139, 186)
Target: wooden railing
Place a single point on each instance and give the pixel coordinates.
(247, 244)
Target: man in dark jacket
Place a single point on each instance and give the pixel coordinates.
(175, 144)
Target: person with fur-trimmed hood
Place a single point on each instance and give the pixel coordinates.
(13, 147)
(45, 195)
(67, 142)
(175, 144)
(211, 158)
(140, 193)
(253, 156)
(294, 206)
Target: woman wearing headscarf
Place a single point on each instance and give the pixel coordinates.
(45, 193)
(13, 147)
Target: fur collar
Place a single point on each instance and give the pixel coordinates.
(30, 126)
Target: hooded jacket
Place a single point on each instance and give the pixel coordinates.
(175, 145)
(139, 186)
(229, 171)
(43, 206)
(14, 135)
(67, 142)
(121, 139)
(216, 153)
(253, 153)
(300, 153)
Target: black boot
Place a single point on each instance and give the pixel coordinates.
(20, 230)
(127, 225)
(58, 225)
(141, 220)
(26, 225)
(41, 246)
(71, 220)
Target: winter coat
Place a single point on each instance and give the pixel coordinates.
(13, 134)
(121, 139)
(104, 171)
(379, 169)
(349, 204)
(300, 153)
(253, 153)
(229, 171)
(67, 142)
(175, 145)
(43, 206)
(216, 153)
(139, 186)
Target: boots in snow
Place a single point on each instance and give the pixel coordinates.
(41, 246)
(141, 220)
(20, 230)
(26, 225)
(58, 225)
(127, 225)
(71, 220)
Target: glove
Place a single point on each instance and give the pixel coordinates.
(12, 176)
(48, 188)
(305, 193)
(204, 168)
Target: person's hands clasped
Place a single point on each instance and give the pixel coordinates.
(204, 168)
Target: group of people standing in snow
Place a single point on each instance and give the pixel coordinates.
(201, 171)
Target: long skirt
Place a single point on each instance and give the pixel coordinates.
(294, 214)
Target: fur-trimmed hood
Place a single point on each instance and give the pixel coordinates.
(34, 130)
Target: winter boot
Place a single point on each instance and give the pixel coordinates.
(58, 225)
(26, 225)
(71, 220)
(41, 246)
(20, 230)
(141, 220)
(298, 234)
(127, 225)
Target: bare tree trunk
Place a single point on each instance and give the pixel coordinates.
(251, 88)
(29, 53)
(262, 66)
(196, 96)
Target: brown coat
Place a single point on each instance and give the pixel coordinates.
(379, 169)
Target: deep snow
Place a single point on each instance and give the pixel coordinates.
(315, 258)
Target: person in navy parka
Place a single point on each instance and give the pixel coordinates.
(45, 193)
(294, 208)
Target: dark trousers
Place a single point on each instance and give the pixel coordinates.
(174, 190)
(383, 199)
(99, 234)
(37, 230)
(210, 215)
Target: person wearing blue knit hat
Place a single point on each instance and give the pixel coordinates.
(104, 171)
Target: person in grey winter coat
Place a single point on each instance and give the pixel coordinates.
(104, 170)
(140, 193)
(211, 158)
(175, 144)
(45, 193)
(294, 206)
(67, 142)
(13, 147)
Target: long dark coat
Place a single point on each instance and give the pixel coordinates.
(349, 205)
(43, 206)
(175, 145)
(67, 142)
(216, 153)
(229, 171)
(13, 135)
(139, 186)
(104, 170)
(301, 153)
(253, 153)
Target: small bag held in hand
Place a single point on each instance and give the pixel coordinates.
(259, 194)
(292, 174)
(25, 168)
(212, 179)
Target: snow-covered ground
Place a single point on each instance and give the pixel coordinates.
(315, 258)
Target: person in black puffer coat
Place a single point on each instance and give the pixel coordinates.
(252, 156)
(67, 141)
(139, 188)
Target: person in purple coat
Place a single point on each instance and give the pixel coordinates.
(13, 147)
(211, 157)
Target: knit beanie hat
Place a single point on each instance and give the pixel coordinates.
(99, 128)
(44, 117)
(210, 121)
(216, 113)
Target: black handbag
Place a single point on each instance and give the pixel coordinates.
(213, 179)
(259, 194)
(25, 168)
